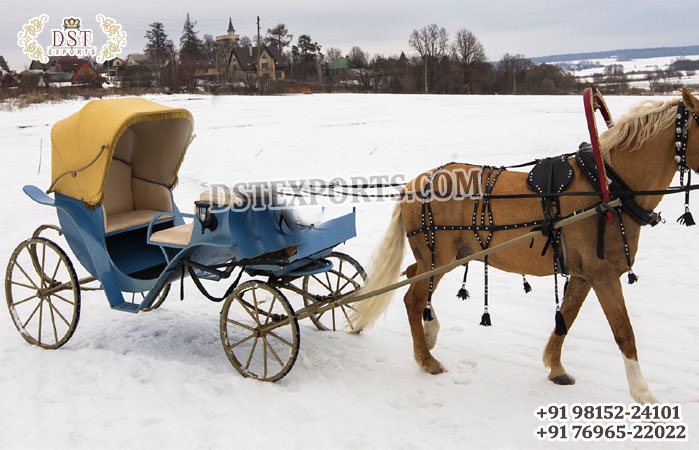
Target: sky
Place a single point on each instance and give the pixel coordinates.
(532, 28)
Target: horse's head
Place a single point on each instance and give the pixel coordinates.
(692, 105)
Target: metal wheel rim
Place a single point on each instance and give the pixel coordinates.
(266, 356)
(42, 311)
(327, 286)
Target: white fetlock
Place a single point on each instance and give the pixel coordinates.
(431, 328)
(638, 387)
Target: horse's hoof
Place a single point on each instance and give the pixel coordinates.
(435, 369)
(432, 367)
(563, 379)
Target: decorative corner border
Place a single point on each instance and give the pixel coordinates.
(117, 38)
(26, 38)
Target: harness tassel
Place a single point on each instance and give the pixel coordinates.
(427, 314)
(463, 292)
(632, 277)
(485, 319)
(527, 286)
(686, 218)
(561, 329)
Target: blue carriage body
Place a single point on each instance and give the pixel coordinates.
(124, 258)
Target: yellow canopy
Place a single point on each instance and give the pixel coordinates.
(150, 137)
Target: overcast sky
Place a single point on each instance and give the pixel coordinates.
(532, 28)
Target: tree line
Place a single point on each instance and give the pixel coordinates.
(441, 65)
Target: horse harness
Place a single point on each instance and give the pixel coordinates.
(549, 178)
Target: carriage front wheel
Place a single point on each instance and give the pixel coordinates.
(345, 277)
(42, 293)
(259, 331)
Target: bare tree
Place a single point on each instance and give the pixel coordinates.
(469, 51)
(359, 60)
(430, 42)
(332, 53)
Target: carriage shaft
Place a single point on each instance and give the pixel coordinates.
(314, 309)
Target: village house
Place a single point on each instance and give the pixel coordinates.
(64, 70)
(243, 64)
(8, 78)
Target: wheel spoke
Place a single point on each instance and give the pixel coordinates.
(232, 346)
(347, 318)
(41, 318)
(23, 285)
(264, 357)
(339, 269)
(254, 345)
(242, 303)
(257, 308)
(59, 314)
(25, 300)
(53, 322)
(330, 283)
(324, 285)
(269, 313)
(333, 316)
(281, 339)
(279, 360)
(61, 298)
(235, 322)
(36, 308)
(43, 264)
(25, 274)
(55, 271)
(349, 280)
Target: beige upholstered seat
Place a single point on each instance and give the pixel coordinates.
(130, 201)
(179, 235)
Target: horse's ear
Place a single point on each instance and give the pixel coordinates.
(690, 101)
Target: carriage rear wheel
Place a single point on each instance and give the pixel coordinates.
(42, 293)
(346, 276)
(134, 297)
(259, 331)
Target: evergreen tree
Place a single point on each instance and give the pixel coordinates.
(277, 37)
(158, 48)
(190, 44)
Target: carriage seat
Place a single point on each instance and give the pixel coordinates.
(131, 202)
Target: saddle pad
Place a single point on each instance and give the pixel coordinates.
(551, 175)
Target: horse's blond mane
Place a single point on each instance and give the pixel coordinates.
(639, 125)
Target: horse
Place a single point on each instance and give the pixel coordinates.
(640, 147)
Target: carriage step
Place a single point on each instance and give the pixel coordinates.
(127, 307)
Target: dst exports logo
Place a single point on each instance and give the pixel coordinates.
(71, 39)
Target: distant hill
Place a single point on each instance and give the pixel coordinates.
(622, 55)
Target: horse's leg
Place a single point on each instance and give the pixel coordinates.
(611, 299)
(415, 302)
(574, 296)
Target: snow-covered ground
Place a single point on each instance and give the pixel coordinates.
(161, 379)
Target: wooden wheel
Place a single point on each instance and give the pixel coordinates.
(138, 297)
(42, 293)
(346, 276)
(259, 331)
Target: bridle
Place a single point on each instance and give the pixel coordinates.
(681, 137)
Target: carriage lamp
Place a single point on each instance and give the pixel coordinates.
(206, 219)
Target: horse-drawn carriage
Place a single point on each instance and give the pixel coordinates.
(114, 166)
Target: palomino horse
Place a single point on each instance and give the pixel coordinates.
(640, 147)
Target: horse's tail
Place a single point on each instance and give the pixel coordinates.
(384, 270)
